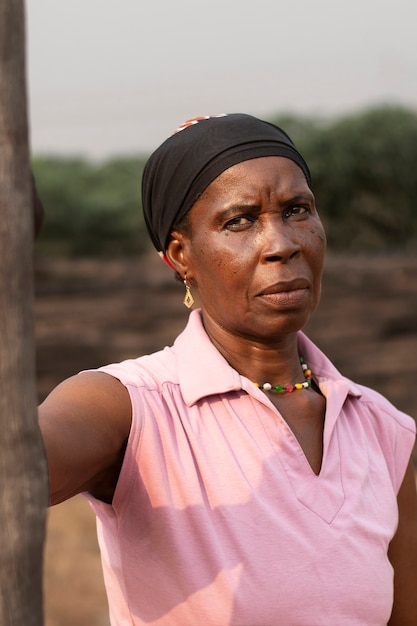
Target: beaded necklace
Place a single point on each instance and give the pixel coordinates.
(289, 388)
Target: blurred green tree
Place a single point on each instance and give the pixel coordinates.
(363, 171)
(91, 209)
(364, 176)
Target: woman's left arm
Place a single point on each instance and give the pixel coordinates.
(403, 555)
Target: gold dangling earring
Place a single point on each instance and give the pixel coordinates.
(188, 298)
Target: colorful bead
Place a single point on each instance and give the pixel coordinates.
(290, 388)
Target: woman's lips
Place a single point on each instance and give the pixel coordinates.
(283, 298)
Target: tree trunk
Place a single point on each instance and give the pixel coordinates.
(23, 482)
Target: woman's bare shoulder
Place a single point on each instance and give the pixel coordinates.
(85, 422)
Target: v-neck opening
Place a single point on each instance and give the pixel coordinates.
(295, 439)
(321, 493)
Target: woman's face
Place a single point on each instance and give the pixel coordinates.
(255, 249)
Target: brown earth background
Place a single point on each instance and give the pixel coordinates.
(89, 313)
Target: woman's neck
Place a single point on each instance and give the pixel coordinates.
(274, 360)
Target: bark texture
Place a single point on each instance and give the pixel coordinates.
(23, 476)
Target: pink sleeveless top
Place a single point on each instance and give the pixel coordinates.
(218, 518)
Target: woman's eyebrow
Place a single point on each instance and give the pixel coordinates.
(300, 197)
(229, 211)
(236, 207)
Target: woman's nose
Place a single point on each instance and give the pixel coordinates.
(280, 243)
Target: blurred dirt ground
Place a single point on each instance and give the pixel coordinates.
(89, 313)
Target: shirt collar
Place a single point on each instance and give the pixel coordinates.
(203, 371)
(324, 372)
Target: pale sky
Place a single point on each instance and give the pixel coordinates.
(111, 77)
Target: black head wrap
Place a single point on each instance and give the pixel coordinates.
(199, 151)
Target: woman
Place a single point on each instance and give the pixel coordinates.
(236, 476)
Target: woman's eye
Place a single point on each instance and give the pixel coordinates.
(239, 222)
(297, 211)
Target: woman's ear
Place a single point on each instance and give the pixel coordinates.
(177, 252)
